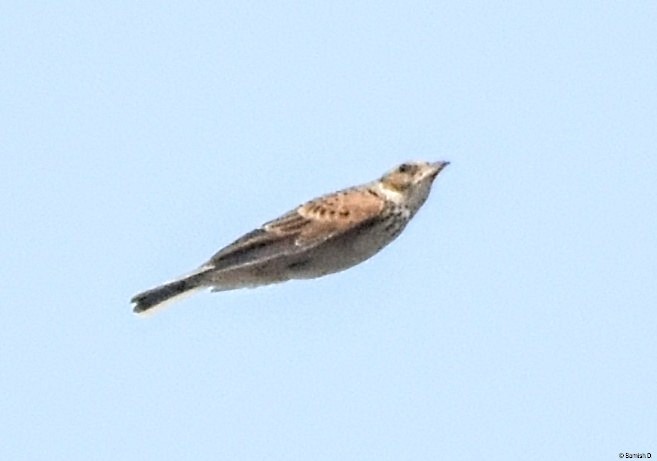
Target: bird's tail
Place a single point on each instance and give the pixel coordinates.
(158, 297)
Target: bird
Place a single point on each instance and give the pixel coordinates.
(325, 235)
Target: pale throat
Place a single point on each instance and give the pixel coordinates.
(390, 193)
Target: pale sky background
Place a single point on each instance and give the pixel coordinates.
(514, 319)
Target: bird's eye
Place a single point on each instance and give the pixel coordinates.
(404, 168)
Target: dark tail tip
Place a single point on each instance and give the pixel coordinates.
(155, 296)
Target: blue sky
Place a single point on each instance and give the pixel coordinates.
(515, 317)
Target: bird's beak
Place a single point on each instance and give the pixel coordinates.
(436, 167)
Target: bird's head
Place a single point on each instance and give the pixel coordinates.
(411, 182)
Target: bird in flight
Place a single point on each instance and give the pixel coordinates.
(328, 234)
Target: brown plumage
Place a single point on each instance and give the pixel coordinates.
(325, 235)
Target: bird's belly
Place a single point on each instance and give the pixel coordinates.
(333, 255)
(341, 253)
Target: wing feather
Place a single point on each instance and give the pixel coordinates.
(302, 228)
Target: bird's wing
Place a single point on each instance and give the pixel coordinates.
(303, 228)
(333, 215)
